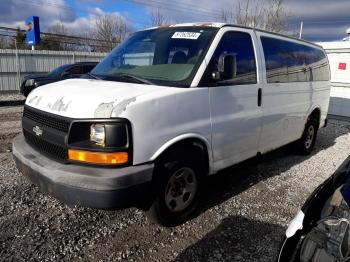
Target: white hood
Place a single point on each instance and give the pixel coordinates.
(87, 98)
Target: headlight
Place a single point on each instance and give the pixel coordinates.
(102, 142)
(98, 134)
(30, 82)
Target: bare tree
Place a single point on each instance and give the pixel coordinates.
(58, 42)
(227, 16)
(59, 29)
(268, 15)
(157, 18)
(110, 29)
(4, 42)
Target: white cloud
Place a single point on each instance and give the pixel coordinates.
(14, 12)
(322, 18)
(84, 25)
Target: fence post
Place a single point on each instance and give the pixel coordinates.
(18, 67)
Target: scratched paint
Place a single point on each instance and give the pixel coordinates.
(33, 100)
(122, 106)
(38, 100)
(59, 105)
(104, 110)
(113, 108)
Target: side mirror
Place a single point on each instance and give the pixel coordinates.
(227, 67)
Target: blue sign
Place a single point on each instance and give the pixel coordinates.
(33, 31)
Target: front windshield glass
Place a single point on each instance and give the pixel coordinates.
(163, 56)
(57, 71)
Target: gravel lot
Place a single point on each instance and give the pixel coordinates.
(243, 217)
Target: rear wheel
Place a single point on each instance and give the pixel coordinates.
(307, 142)
(178, 185)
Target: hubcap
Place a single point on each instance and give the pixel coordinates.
(309, 136)
(181, 189)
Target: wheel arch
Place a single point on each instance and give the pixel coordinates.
(192, 139)
(316, 112)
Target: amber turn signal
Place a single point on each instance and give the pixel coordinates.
(117, 158)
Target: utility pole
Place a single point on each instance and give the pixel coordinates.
(301, 29)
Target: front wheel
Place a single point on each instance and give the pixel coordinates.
(178, 185)
(307, 142)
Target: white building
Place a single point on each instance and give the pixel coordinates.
(339, 60)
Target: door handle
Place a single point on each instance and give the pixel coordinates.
(259, 96)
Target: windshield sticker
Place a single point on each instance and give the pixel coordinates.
(186, 35)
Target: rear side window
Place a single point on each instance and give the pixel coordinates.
(87, 68)
(238, 44)
(293, 62)
(319, 66)
(75, 70)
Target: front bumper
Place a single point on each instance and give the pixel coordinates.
(95, 187)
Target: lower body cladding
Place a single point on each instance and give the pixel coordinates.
(95, 187)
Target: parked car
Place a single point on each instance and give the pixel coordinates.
(167, 108)
(320, 230)
(76, 70)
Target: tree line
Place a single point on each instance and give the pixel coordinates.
(110, 29)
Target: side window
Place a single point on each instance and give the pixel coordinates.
(319, 66)
(87, 68)
(75, 70)
(278, 59)
(296, 62)
(287, 61)
(238, 48)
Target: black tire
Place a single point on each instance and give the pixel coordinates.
(306, 143)
(165, 212)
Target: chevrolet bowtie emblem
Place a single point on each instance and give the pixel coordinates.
(38, 131)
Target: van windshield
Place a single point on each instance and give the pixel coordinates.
(163, 56)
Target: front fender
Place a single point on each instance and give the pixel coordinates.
(183, 137)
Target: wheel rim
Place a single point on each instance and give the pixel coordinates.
(181, 189)
(310, 133)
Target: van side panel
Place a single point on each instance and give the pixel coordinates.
(291, 91)
(321, 99)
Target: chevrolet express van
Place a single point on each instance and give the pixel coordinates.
(168, 107)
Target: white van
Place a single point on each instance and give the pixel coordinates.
(168, 107)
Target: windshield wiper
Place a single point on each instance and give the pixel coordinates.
(140, 79)
(93, 76)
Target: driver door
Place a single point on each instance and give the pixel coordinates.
(235, 108)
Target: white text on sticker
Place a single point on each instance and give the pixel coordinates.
(186, 35)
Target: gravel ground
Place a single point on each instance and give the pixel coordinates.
(13, 96)
(11, 99)
(243, 217)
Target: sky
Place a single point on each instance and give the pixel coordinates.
(323, 20)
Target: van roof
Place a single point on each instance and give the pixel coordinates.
(220, 25)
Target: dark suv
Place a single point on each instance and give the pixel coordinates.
(76, 70)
